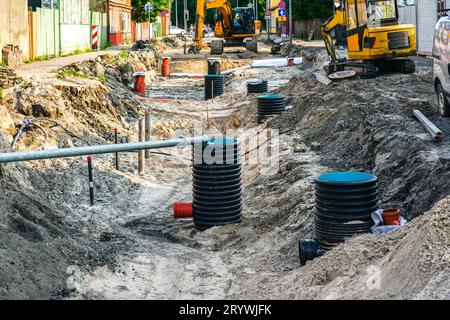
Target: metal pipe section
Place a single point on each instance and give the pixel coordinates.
(434, 131)
(100, 149)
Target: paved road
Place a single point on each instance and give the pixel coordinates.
(49, 66)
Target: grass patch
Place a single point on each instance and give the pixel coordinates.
(124, 54)
(1, 94)
(37, 59)
(77, 52)
(67, 73)
(106, 46)
(115, 60)
(25, 84)
(102, 79)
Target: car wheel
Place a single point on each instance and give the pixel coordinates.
(444, 106)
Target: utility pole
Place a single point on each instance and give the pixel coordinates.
(149, 25)
(185, 15)
(290, 22)
(268, 21)
(176, 13)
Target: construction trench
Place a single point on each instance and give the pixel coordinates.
(54, 245)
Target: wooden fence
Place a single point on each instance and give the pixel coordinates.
(45, 33)
(302, 29)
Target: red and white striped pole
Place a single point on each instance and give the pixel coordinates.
(95, 45)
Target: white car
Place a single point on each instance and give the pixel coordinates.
(441, 65)
(175, 31)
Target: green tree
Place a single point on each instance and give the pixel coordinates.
(139, 13)
(310, 9)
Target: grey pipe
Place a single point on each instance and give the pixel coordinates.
(100, 149)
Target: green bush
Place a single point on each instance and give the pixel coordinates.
(124, 54)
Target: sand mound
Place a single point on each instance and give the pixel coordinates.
(412, 263)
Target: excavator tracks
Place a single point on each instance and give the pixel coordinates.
(217, 47)
(405, 66)
(252, 45)
(372, 69)
(363, 69)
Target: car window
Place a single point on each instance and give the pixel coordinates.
(441, 39)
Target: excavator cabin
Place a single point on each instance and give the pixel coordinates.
(375, 38)
(234, 26)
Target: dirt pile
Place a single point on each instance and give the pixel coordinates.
(37, 242)
(47, 227)
(370, 126)
(201, 66)
(411, 263)
(313, 57)
(84, 103)
(357, 125)
(163, 44)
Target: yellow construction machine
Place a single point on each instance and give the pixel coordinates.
(235, 26)
(376, 41)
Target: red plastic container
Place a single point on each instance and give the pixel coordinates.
(391, 217)
(165, 68)
(182, 210)
(139, 84)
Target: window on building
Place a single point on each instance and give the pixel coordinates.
(97, 5)
(114, 17)
(441, 5)
(49, 4)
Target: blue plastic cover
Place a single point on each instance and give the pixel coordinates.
(222, 141)
(346, 177)
(271, 96)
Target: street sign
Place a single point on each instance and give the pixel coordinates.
(281, 4)
(281, 12)
(282, 19)
(186, 14)
(267, 17)
(268, 13)
(149, 7)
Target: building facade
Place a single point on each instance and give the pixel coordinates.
(14, 25)
(424, 15)
(120, 26)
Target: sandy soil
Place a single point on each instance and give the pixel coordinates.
(141, 252)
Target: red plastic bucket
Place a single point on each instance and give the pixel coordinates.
(139, 83)
(182, 210)
(391, 217)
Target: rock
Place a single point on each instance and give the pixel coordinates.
(12, 56)
(8, 78)
(316, 146)
(99, 69)
(300, 148)
(340, 126)
(7, 123)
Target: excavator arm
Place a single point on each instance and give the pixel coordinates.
(225, 10)
(338, 19)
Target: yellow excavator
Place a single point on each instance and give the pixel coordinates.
(376, 41)
(234, 26)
